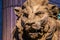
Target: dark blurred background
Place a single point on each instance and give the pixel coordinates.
(0, 19)
(55, 2)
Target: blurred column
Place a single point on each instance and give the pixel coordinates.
(9, 18)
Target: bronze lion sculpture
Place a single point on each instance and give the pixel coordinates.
(37, 20)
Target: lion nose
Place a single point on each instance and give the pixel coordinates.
(30, 24)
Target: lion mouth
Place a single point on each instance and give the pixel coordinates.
(36, 31)
(33, 30)
(33, 33)
(33, 27)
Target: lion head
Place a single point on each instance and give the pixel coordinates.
(36, 21)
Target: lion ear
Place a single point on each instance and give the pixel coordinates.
(17, 11)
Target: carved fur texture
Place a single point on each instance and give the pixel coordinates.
(36, 20)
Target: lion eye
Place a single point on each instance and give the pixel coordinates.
(25, 15)
(37, 13)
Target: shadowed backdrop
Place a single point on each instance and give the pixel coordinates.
(0, 19)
